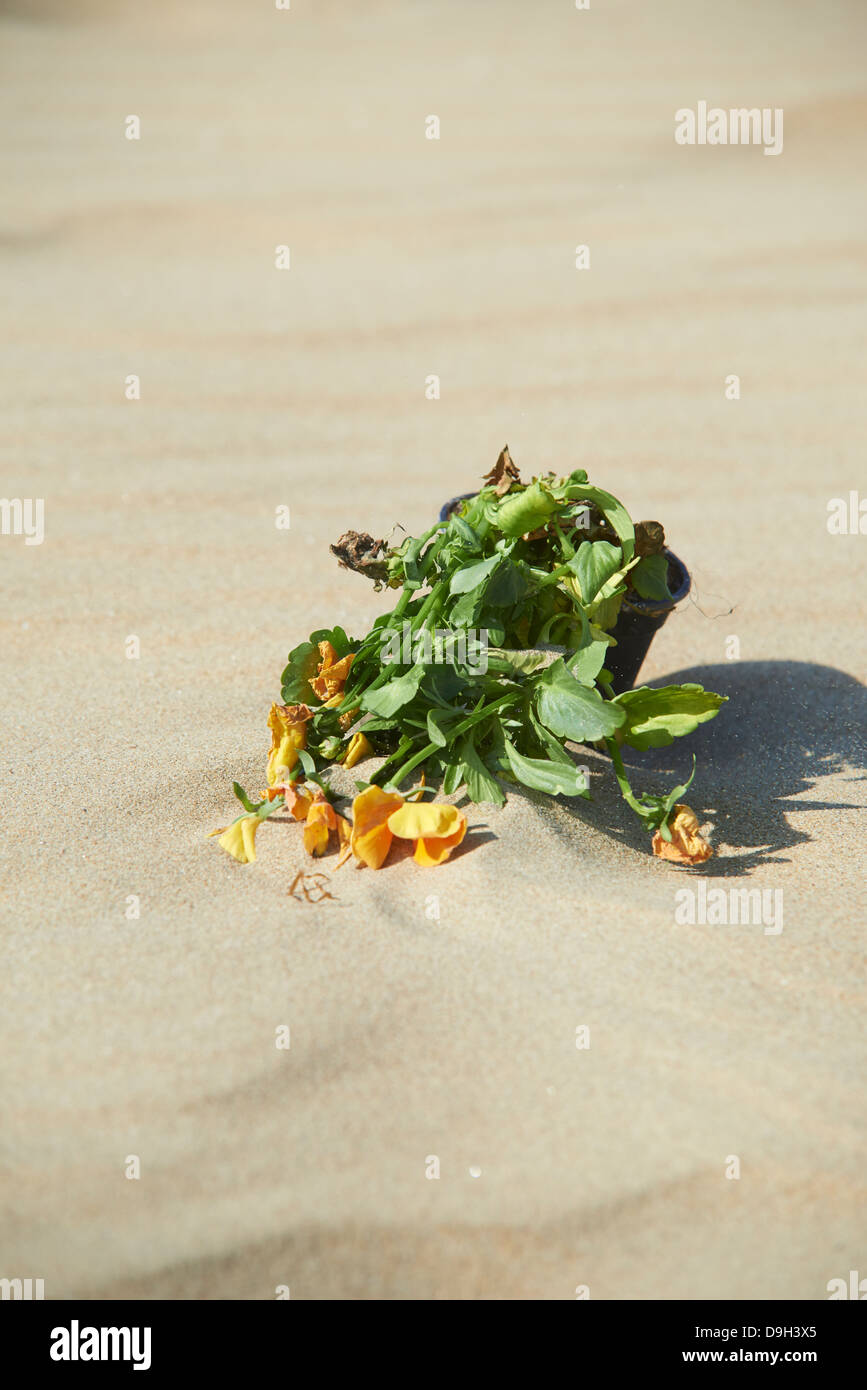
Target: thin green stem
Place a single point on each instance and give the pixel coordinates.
(554, 575)
(432, 604)
(400, 751)
(622, 780)
(475, 718)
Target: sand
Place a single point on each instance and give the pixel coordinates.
(432, 1014)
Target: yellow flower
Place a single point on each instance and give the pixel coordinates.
(288, 733)
(436, 828)
(239, 839)
(371, 838)
(329, 682)
(687, 846)
(358, 748)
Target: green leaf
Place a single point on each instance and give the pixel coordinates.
(555, 750)
(571, 710)
(593, 565)
(342, 644)
(655, 810)
(525, 511)
(492, 623)
(465, 610)
(588, 662)
(410, 553)
(544, 776)
(453, 777)
(465, 533)
(589, 658)
(481, 784)
(612, 509)
(505, 661)
(654, 718)
(435, 731)
(606, 610)
(650, 577)
(387, 699)
(267, 808)
(441, 685)
(471, 576)
(300, 669)
(506, 586)
(244, 799)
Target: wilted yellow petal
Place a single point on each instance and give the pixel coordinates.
(332, 674)
(340, 670)
(436, 828)
(687, 846)
(425, 820)
(298, 801)
(288, 725)
(321, 809)
(344, 835)
(316, 837)
(371, 837)
(359, 747)
(240, 839)
(436, 851)
(321, 819)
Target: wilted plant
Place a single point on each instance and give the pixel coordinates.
(541, 569)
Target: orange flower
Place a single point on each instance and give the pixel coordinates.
(371, 837)
(288, 733)
(322, 819)
(686, 846)
(331, 677)
(436, 828)
(299, 799)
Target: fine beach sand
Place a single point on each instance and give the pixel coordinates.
(416, 1035)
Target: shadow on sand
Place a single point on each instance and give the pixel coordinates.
(787, 725)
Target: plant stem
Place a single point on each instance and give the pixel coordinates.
(432, 603)
(400, 607)
(555, 574)
(461, 728)
(622, 780)
(402, 748)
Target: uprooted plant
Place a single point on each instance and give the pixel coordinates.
(491, 661)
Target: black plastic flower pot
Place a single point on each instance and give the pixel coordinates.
(639, 619)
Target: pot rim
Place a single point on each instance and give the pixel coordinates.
(678, 593)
